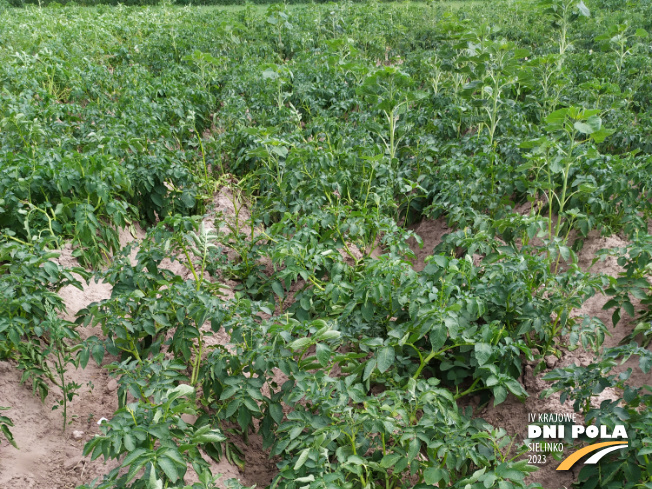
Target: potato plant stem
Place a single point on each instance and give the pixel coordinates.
(60, 366)
(432, 355)
(469, 390)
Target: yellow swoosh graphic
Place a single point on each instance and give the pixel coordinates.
(574, 457)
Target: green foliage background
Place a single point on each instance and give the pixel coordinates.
(332, 129)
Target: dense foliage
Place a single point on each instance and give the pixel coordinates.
(332, 129)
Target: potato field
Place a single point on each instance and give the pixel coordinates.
(319, 246)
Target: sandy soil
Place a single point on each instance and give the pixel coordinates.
(51, 459)
(431, 232)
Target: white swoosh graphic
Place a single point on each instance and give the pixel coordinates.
(601, 453)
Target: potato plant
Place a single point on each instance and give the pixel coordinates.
(288, 150)
(5, 424)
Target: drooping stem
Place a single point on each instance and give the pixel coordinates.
(469, 390)
(432, 355)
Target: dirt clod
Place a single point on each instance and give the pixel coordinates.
(78, 434)
(551, 361)
(112, 385)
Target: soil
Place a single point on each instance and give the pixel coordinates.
(431, 232)
(50, 458)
